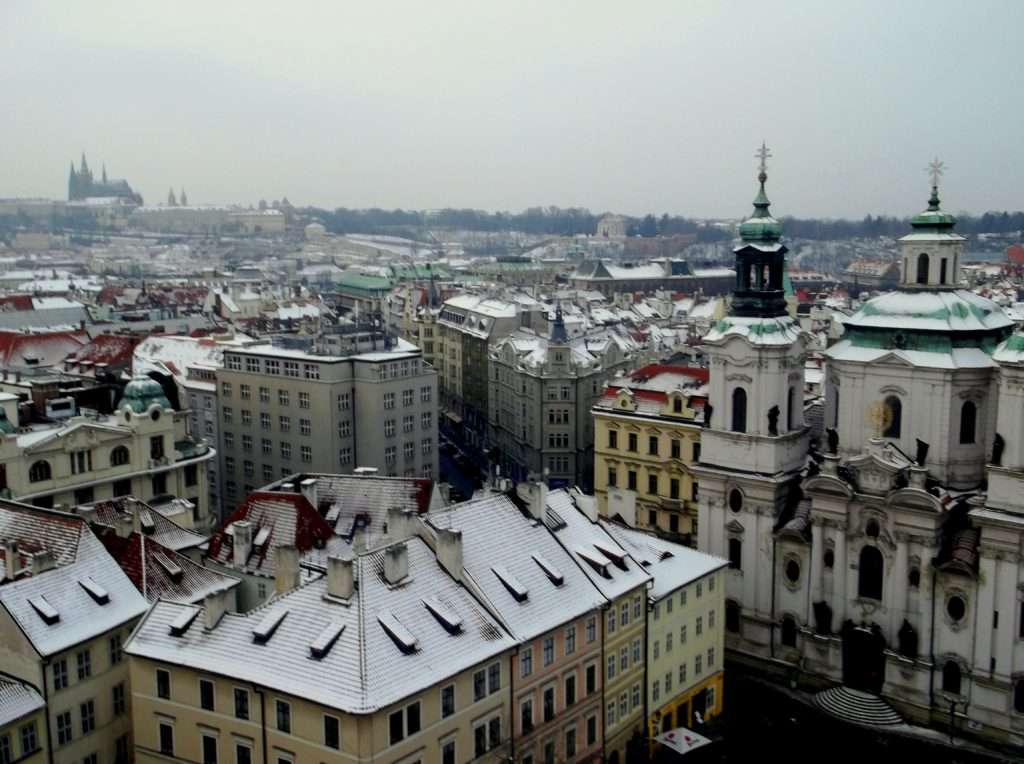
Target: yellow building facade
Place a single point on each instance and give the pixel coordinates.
(22, 723)
(646, 440)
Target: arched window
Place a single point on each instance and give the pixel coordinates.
(869, 583)
(942, 271)
(951, 678)
(788, 631)
(732, 616)
(893, 417)
(735, 554)
(791, 410)
(968, 421)
(39, 471)
(739, 410)
(119, 456)
(922, 268)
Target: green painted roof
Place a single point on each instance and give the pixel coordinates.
(933, 218)
(761, 226)
(364, 282)
(6, 425)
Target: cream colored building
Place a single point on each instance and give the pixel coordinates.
(144, 449)
(685, 632)
(623, 582)
(384, 657)
(647, 431)
(66, 610)
(22, 723)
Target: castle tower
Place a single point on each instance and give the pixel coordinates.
(183, 199)
(171, 201)
(755, 442)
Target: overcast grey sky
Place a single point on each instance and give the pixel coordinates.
(629, 106)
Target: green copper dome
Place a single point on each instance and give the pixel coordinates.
(143, 392)
(933, 219)
(761, 226)
(6, 425)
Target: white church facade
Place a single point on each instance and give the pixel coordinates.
(887, 560)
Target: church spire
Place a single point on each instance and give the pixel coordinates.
(183, 199)
(171, 201)
(558, 332)
(760, 258)
(104, 173)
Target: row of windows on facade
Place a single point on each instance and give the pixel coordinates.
(28, 739)
(295, 369)
(284, 423)
(699, 668)
(344, 400)
(892, 424)
(87, 715)
(653, 445)
(653, 484)
(81, 461)
(345, 455)
(402, 723)
(739, 409)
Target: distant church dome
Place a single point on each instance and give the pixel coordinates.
(141, 393)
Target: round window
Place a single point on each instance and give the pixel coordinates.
(793, 571)
(155, 415)
(956, 608)
(872, 529)
(735, 500)
(830, 558)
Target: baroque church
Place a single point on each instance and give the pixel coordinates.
(82, 185)
(885, 563)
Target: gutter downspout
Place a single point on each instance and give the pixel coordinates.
(604, 684)
(512, 704)
(931, 649)
(263, 719)
(647, 663)
(46, 700)
(774, 587)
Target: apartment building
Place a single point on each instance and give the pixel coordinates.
(331, 405)
(414, 310)
(685, 632)
(22, 723)
(548, 604)
(623, 582)
(541, 392)
(469, 324)
(66, 610)
(193, 363)
(144, 449)
(647, 431)
(383, 657)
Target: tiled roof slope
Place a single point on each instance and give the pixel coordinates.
(81, 564)
(364, 670)
(17, 700)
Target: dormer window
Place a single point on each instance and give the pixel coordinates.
(677, 405)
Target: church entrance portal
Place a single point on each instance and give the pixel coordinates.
(863, 657)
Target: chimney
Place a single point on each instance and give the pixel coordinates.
(42, 561)
(87, 513)
(449, 551)
(11, 560)
(242, 544)
(286, 568)
(535, 494)
(340, 577)
(308, 489)
(396, 563)
(401, 524)
(125, 525)
(215, 605)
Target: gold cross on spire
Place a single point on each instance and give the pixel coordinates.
(764, 154)
(935, 169)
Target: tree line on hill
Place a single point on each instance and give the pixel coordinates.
(570, 221)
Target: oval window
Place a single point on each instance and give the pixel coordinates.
(956, 607)
(735, 500)
(793, 571)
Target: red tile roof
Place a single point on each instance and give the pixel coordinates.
(50, 348)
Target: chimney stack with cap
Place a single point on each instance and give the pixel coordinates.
(535, 494)
(242, 544)
(12, 560)
(396, 563)
(215, 605)
(340, 577)
(401, 524)
(449, 551)
(286, 568)
(42, 561)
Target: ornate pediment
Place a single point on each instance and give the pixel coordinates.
(625, 401)
(877, 471)
(734, 526)
(76, 437)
